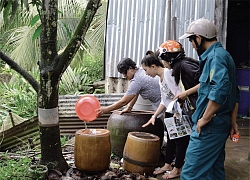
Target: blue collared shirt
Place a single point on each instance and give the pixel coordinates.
(217, 83)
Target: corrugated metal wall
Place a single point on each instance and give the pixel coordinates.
(135, 26)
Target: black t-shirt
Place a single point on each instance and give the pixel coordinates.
(190, 76)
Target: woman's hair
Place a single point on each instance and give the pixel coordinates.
(151, 59)
(124, 65)
(176, 71)
(177, 68)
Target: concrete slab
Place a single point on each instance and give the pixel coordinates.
(237, 163)
(244, 126)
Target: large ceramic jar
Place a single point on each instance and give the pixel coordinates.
(120, 125)
(92, 150)
(137, 145)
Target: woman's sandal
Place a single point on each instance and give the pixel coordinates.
(170, 175)
(160, 171)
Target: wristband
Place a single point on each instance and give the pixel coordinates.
(153, 116)
(130, 107)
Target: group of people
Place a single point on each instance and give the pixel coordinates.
(208, 86)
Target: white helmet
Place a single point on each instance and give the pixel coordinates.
(202, 27)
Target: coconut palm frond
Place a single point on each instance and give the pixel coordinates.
(68, 80)
(69, 8)
(25, 50)
(63, 34)
(94, 39)
(73, 80)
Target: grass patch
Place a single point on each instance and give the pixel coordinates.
(14, 168)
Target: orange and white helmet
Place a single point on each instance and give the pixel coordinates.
(170, 50)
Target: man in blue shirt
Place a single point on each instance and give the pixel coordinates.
(216, 106)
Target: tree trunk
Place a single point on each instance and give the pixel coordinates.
(51, 151)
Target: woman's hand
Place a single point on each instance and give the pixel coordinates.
(127, 109)
(183, 95)
(151, 121)
(101, 111)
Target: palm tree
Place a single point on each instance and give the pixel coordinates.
(18, 35)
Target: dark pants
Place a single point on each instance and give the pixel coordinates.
(176, 148)
(160, 130)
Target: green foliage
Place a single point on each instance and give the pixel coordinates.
(93, 65)
(17, 40)
(80, 79)
(64, 140)
(14, 169)
(2, 64)
(10, 8)
(34, 20)
(38, 30)
(37, 33)
(19, 98)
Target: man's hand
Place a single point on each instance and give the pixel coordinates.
(234, 125)
(234, 129)
(202, 122)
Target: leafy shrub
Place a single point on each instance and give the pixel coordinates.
(93, 65)
(19, 98)
(64, 140)
(79, 79)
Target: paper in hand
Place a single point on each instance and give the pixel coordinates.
(174, 107)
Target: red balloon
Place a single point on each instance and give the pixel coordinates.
(85, 107)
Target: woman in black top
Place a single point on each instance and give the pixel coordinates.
(185, 71)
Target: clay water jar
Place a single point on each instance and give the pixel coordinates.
(141, 152)
(120, 125)
(92, 150)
